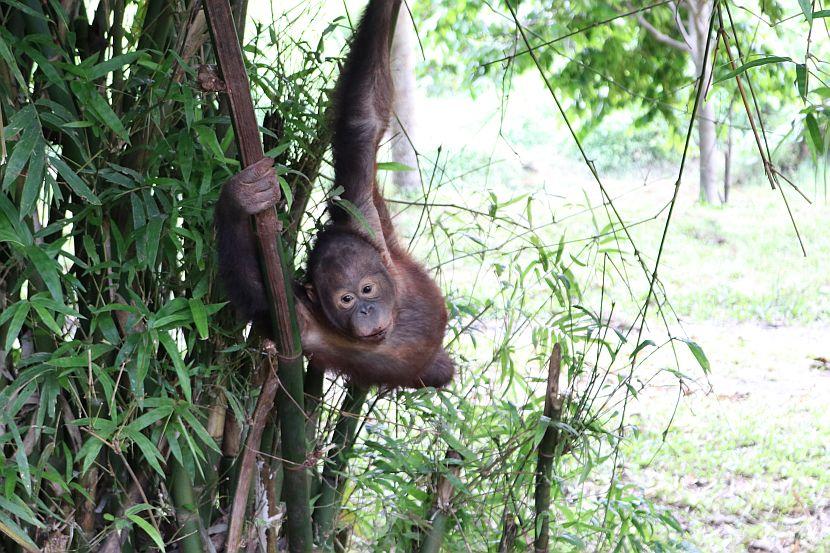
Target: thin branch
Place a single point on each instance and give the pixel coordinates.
(687, 38)
(660, 36)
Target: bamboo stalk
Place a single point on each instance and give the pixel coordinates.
(546, 451)
(441, 509)
(263, 408)
(343, 438)
(157, 25)
(274, 492)
(314, 379)
(187, 514)
(277, 277)
(509, 532)
(36, 23)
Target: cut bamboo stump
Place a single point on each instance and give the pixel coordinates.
(547, 451)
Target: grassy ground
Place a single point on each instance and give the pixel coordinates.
(744, 464)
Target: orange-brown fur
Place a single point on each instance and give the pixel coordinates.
(411, 354)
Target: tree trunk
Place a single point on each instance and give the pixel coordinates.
(707, 134)
(727, 163)
(403, 128)
(706, 128)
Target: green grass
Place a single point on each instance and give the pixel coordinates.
(744, 466)
(741, 262)
(746, 264)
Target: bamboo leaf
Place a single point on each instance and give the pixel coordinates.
(149, 530)
(47, 319)
(750, 64)
(801, 80)
(21, 310)
(807, 10)
(108, 116)
(20, 510)
(208, 140)
(74, 181)
(178, 364)
(352, 210)
(286, 192)
(7, 56)
(16, 533)
(96, 105)
(173, 442)
(47, 268)
(22, 460)
(456, 445)
(20, 154)
(34, 179)
(199, 428)
(25, 9)
(394, 166)
(150, 417)
(149, 451)
(89, 452)
(197, 309)
(814, 133)
(699, 355)
(110, 65)
(642, 345)
(154, 227)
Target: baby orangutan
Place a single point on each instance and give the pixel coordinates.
(367, 310)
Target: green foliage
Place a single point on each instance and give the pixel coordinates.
(596, 54)
(126, 384)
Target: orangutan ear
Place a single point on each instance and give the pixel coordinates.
(309, 291)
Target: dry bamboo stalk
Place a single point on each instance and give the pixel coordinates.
(547, 451)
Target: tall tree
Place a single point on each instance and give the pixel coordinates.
(691, 21)
(403, 129)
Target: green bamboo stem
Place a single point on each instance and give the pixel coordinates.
(441, 509)
(274, 490)
(546, 453)
(435, 537)
(292, 420)
(157, 25)
(314, 379)
(343, 438)
(58, 91)
(186, 512)
(210, 481)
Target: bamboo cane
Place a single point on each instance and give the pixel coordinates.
(547, 450)
(277, 278)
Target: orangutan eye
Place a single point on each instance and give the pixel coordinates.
(347, 299)
(368, 289)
